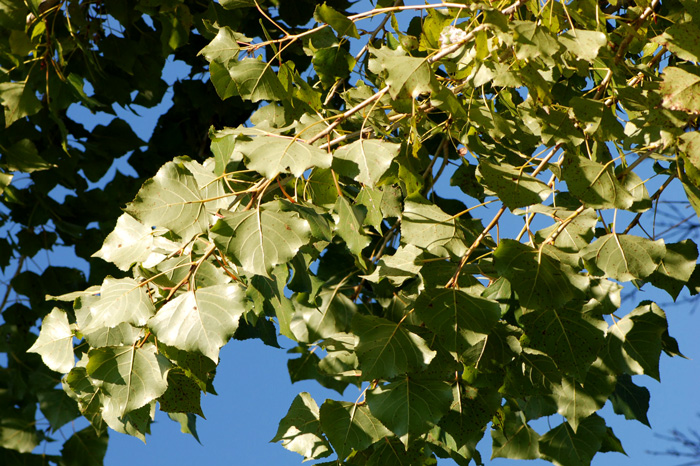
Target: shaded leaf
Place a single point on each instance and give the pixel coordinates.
(514, 187)
(387, 349)
(630, 400)
(300, 430)
(564, 447)
(350, 426)
(623, 257)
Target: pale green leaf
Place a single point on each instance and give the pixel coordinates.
(348, 223)
(365, 160)
(55, 342)
(515, 188)
(410, 405)
(131, 241)
(200, 320)
(300, 430)
(132, 376)
(121, 300)
(426, 226)
(398, 267)
(624, 257)
(682, 39)
(260, 239)
(350, 426)
(584, 44)
(680, 89)
(249, 78)
(404, 74)
(270, 156)
(171, 200)
(339, 22)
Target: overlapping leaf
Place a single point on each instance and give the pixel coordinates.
(410, 405)
(350, 426)
(300, 430)
(171, 200)
(365, 160)
(624, 257)
(387, 349)
(132, 376)
(260, 239)
(270, 156)
(200, 320)
(121, 300)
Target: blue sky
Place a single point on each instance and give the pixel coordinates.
(255, 390)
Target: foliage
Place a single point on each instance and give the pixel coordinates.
(325, 217)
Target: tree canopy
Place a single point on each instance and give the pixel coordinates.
(441, 204)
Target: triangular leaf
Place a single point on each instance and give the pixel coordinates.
(55, 342)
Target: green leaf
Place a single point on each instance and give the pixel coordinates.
(131, 241)
(459, 318)
(577, 234)
(595, 184)
(365, 160)
(57, 407)
(630, 400)
(200, 320)
(19, 101)
(623, 257)
(410, 405)
(578, 400)
(171, 200)
(121, 300)
(85, 448)
(24, 156)
(251, 79)
(258, 240)
(339, 22)
(132, 376)
(680, 89)
(572, 339)
(224, 47)
(405, 75)
(682, 39)
(536, 277)
(516, 439)
(676, 268)
(55, 342)
(584, 44)
(270, 156)
(350, 426)
(635, 341)
(182, 396)
(564, 447)
(188, 423)
(331, 315)
(332, 63)
(514, 187)
(426, 226)
(398, 267)
(348, 222)
(387, 349)
(596, 119)
(300, 430)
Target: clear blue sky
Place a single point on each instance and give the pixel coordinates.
(255, 392)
